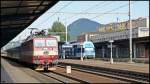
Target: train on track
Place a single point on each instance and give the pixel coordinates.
(77, 49)
(40, 52)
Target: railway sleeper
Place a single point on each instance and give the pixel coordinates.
(123, 73)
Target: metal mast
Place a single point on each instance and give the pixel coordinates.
(130, 38)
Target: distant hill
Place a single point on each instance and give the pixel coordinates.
(82, 25)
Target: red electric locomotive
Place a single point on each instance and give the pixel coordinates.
(40, 51)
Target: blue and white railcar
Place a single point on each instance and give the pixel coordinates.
(85, 49)
(78, 49)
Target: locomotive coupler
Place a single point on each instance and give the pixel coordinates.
(46, 65)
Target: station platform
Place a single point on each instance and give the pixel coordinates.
(11, 73)
(136, 67)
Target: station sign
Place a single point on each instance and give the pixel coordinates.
(67, 46)
(143, 31)
(68, 69)
(109, 46)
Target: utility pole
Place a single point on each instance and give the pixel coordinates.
(66, 31)
(130, 39)
(117, 25)
(66, 34)
(58, 19)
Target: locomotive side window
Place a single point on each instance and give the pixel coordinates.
(39, 43)
(51, 42)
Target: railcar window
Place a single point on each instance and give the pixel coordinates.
(51, 42)
(39, 43)
(90, 49)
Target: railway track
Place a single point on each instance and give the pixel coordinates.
(128, 76)
(62, 78)
(45, 77)
(78, 76)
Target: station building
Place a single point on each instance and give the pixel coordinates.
(140, 41)
(120, 26)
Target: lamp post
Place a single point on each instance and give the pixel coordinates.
(64, 53)
(111, 58)
(81, 54)
(66, 34)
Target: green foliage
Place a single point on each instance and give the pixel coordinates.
(121, 29)
(58, 29)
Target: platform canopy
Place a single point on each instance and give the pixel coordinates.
(18, 15)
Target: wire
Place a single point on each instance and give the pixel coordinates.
(113, 9)
(102, 5)
(94, 6)
(85, 13)
(57, 11)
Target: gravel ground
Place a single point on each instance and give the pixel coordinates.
(138, 67)
(90, 78)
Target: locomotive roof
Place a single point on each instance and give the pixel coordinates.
(78, 43)
(39, 36)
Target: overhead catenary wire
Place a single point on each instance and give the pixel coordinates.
(78, 13)
(104, 13)
(57, 11)
(54, 13)
(113, 10)
(75, 14)
(94, 6)
(66, 6)
(102, 5)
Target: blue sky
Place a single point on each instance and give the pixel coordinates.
(138, 9)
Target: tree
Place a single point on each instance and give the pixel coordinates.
(58, 29)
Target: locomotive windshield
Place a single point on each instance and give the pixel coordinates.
(39, 43)
(51, 43)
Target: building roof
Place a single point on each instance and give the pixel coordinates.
(18, 15)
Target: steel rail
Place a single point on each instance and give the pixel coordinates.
(65, 76)
(112, 73)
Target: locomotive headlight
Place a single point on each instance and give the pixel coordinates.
(45, 48)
